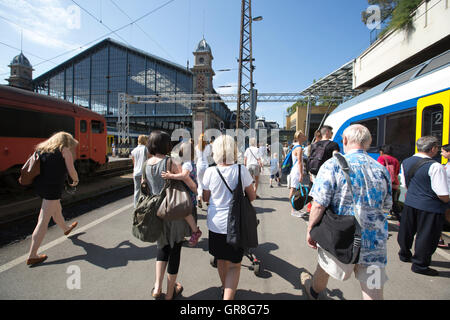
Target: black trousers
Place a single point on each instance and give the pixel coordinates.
(427, 227)
(171, 255)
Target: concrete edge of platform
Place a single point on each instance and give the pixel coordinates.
(16, 211)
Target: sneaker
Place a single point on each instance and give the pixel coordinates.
(391, 217)
(427, 272)
(442, 244)
(271, 186)
(296, 213)
(306, 281)
(195, 237)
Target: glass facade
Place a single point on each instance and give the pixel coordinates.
(95, 78)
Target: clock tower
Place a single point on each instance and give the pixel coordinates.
(203, 76)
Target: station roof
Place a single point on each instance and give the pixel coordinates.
(337, 84)
(98, 46)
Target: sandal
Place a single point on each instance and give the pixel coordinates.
(156, 295)
(177, 290)
(194, 238)
(72, 226)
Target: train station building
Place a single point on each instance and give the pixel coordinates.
(95, 77)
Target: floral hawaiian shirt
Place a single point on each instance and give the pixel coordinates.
(372, 192)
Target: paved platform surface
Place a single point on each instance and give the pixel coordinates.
(112, 264)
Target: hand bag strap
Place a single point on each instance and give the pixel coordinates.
(223, 179)
(343, 164)
(414, 169)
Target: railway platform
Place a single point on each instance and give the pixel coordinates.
(102, 260)
(97, 186)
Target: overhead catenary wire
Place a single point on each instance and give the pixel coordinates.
(140, 28)
(100, 21)
(105, 35)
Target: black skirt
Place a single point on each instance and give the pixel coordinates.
(221, 250)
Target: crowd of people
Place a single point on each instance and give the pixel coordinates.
(210, 171)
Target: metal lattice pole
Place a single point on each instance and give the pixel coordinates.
(123, 125)
(245, 78)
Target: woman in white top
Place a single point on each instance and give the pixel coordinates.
(202, 153)
(252, 160)
(296, 174)
(219, 197)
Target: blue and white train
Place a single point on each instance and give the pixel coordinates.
(415, 103)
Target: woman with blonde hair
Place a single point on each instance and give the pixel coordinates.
(218, 185)
(202, 153)
(56, 160)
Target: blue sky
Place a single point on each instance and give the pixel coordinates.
(297, 41)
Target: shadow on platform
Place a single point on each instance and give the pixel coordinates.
(108, 258)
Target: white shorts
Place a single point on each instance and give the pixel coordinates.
(375, 275)
(295, 180)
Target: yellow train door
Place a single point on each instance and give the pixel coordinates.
(433, 114)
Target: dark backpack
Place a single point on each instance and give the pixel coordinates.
(147, 226)
(316, 157)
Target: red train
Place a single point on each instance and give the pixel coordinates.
(28, 118)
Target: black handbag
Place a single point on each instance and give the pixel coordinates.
(340, 235)
(301, 197)
(242, 223)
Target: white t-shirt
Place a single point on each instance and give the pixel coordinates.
(220, 200)
(202, 156)
(274, 165)
(140, 155)
(187, 166)
(252, 154)
(447, 169)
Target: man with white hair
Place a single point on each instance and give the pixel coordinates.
(425, 205)
(372, 195)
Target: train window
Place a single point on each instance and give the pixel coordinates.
(33, 124)
(404, 77)
(372, 125)
(436, 63)
(400, 133)
(432, 121)
(83, 126)
(97, 126)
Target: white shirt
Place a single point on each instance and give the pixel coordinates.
(187, 166)
(252, 155)
(447, 169)
(202, 156)
(437, 175)
(140, 155)
(220, 200)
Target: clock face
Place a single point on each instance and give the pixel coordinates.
(201, 60)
